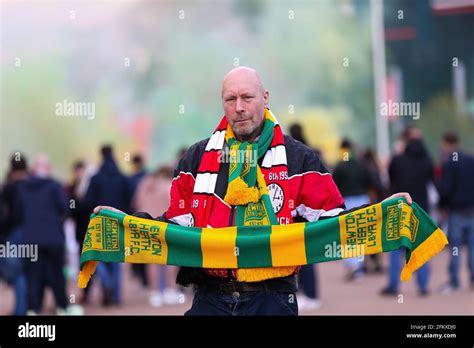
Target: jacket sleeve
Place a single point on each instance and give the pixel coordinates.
(317, 195)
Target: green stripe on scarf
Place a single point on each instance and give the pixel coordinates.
(188, 246)
(383, 227)
(253, 248)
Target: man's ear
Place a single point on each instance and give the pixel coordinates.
(266, 97)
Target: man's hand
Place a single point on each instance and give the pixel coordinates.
(406, 195)
(103, 207)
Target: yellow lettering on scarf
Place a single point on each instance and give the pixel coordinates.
(409, 223)
(145, 242)
(401, 222)
(102, 234)
(361, 232)
(287, 245)
(218, 247)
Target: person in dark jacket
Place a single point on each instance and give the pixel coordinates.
(353, 179)
(79, 210)
(109, 187)
(456, 187)
(139, 172)
(43, 206)
(13, 269)
(410, 171)
(307, 276)
(373, 262)
(351, 175)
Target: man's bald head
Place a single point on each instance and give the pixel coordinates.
(244, 99)
(243, 73)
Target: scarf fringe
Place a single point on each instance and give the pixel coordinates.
(238, 193)
(86, 273)
(425, 251)
(259, 274)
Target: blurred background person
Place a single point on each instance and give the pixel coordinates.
(43, 207)
(456, 187)
(109, 187)
(79, 210)
(411, 171)
(139, 172)
(13, 268)
(377, 193)
(353, 180)
(152, 196)
(308, 299)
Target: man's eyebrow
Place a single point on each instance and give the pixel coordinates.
(228, 95)
(248, 93)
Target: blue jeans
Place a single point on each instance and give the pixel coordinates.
(248, 303)
(422, 274)
(14, 270)
(46, 271)
(110, 275)
(308, 281)
(162, 282)
(457, 224)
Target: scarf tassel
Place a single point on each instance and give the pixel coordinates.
(263, 273)
(425, 251)
(86, 273)
(238, 193)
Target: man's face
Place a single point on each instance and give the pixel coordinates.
(244, 100)
(79, 172)
(447, 148)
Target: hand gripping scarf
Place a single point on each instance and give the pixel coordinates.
(382, 227)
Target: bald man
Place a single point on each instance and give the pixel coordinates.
(244, 99)
(204, 193)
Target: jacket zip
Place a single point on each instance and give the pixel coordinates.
(231, 220)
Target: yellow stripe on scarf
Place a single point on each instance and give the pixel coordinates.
(219, 247)
(287, 243)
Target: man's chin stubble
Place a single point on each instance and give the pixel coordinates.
(249, 135)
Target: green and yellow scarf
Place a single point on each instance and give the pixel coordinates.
(382, 227)
(247, 189)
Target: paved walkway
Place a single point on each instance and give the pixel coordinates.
(337, 296)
